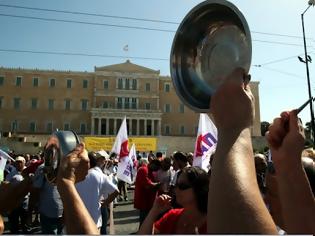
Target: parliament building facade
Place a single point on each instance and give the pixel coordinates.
(94, 103)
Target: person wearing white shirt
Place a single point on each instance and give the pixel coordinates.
(96, 187)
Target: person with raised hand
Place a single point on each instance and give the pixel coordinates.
(286, 141)
(73, 169)
(235, 204)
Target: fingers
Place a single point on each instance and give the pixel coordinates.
(276, 132)
(236, 77)
(293, 121)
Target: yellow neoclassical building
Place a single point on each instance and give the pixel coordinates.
(94, 103)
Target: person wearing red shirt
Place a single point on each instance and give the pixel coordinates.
(145, 189)
(192, 194)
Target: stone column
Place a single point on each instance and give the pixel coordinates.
(138, 127)
(130, 126)
(92, 125)
(115, 126)
(152, 127)
(107, 126)
(99, 126)
(159, 128)
(145, 127)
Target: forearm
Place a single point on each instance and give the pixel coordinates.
(297, 201)
(82, 223)
(110, 198)
(234, 201)
(147, 225)
(1, 225)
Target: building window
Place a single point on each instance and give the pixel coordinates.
(85, 83)
(181, 108)
(182, 130)
(119, 103)
(16, 103)
(33, 127)
(34, 103)
(167, 87)
(134, 84)
(66, 126)
(14, 125)
(1, 80)
(35, 82)
(127, 103)
(52, 83)
(105, 104)
(134, 103)
(82, 128)
(147, 106)
(120, 83)
(127, 84)
(105, 84)
(147, 87)
(84, 104)
(69, 83)
(49, 127)
(167, 108)
(67, 104)
(167, 130)
(18, 81)
(1, 102)
(51, 104)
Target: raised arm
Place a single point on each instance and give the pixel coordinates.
(161, 204)
(73, 169)
(234, 203)
(286, 141)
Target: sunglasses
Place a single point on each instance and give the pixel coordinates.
(183, 186)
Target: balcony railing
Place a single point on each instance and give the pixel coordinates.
(125, 110)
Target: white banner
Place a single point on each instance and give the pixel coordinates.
(206, 142)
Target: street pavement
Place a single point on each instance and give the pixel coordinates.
(126, 218)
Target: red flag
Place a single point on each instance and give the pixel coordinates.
(121, 142)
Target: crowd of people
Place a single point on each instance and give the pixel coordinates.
(242, 193)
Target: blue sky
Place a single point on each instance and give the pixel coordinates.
(283, 84)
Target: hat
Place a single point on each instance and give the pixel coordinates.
(20, 158)
(102, 154)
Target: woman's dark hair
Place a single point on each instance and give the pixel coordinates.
(199, 180)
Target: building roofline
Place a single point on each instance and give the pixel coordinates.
(45, 70)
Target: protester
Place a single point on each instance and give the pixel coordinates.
(235, 204)
(122, 187)
(97, 187)
(18, 216)
(73, 169)
(261, 167)
(286, 141)
(145, 188)
(180, 161)
(192, 194)
(47, 196)
(165, 175)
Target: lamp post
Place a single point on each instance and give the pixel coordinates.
(306, 60)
